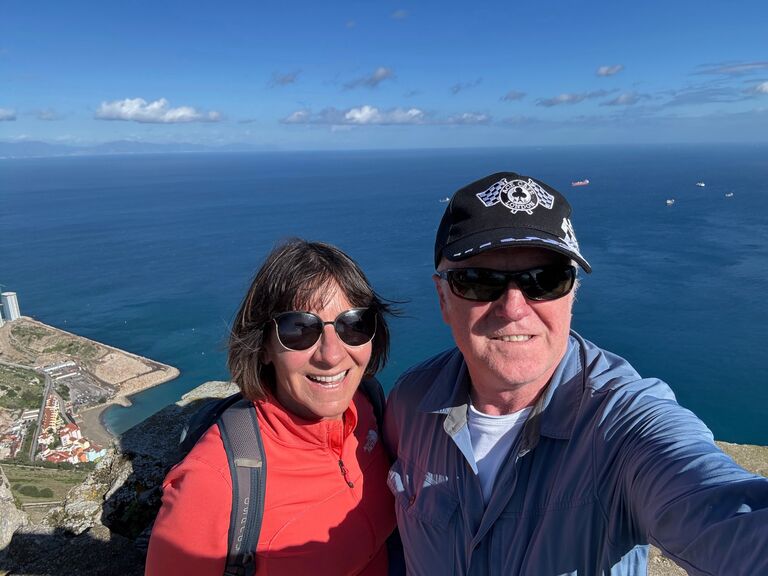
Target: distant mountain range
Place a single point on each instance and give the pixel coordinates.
(34, 149)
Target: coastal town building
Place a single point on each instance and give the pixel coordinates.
(30, 415)
(51, 413)
(69, 434)
(10, 304)
(10, 444)
(73, 449)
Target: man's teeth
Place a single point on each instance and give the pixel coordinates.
(328, 379)
(515, 338)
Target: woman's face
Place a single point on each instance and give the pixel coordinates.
(318, 383)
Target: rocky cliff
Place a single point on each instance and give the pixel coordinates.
(104, 524)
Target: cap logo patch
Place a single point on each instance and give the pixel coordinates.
(517, 195)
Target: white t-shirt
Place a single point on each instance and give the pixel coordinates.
(492, 437)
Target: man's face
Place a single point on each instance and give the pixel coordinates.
(512, 344)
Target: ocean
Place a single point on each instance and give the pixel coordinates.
(153, 253)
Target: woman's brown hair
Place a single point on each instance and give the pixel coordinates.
(296, 276)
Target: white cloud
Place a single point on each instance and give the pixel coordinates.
(368, 115)
(733, 69)
(365, 115)
(561, 99)
(379, 75)
(573, 98)
(469, 118)
(7, 115)
(157, 112)
(761, 88)
(626, 99)
(372, 115)
(610, 70)
(298, 117)
(513, 95)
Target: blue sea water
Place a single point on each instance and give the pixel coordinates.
(152, 254)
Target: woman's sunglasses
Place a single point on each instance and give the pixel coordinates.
(301, 330)
(486, 285)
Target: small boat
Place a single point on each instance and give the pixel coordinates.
(700, 184)
(729, 194)
(444, 200)
(584, 182)
(670, 201)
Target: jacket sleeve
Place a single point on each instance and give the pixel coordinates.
(191, 530)
(664, 475)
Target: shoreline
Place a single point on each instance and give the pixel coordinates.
(91, 422)
(124, 373)
(92, 419)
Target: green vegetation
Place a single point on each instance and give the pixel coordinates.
(80, 350)
(27, 334)
(33, 491)
(31, 483)
(63, 391)
(22, 388)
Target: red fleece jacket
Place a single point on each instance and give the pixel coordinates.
(316, 521)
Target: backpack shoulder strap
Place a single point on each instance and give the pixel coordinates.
(248, 466)
(372, 389)
(206, 415)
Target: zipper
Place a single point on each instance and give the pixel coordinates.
(344, 473)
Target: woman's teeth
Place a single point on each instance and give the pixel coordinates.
(328, 379)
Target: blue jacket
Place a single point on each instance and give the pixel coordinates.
(606, 463)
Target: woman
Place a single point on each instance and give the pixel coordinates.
(309, 329)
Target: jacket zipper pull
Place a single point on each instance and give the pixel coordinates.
(344, 473)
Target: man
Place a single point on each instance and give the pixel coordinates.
(529, 450)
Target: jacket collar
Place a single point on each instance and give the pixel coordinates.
(553, 415)
(289, 429)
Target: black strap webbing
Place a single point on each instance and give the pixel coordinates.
(248, 467)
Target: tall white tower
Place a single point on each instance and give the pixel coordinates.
(10, 306)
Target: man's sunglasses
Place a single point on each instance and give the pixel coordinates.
(486, 285)
(301, 330)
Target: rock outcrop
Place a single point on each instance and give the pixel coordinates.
(11, 518)
(104, 523)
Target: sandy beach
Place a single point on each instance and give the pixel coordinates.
(92, 425)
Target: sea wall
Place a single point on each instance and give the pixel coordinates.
(104, 523)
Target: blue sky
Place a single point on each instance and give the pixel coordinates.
(384, 74)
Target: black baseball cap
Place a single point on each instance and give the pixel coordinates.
(506, 210)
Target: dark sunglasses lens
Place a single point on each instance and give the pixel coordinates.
(548, 283)
(298, 330)
(477, 284)
(482, 285)
(357, 326)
